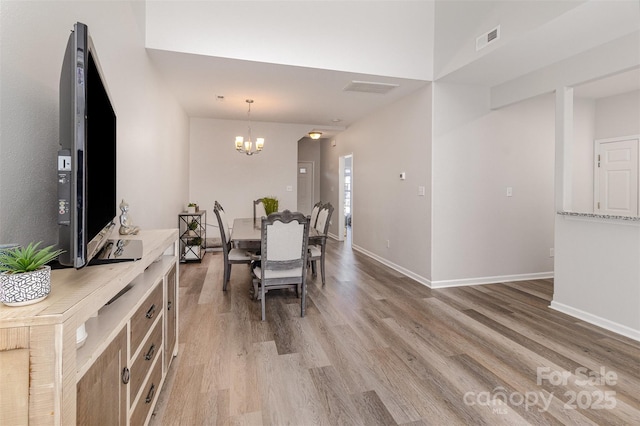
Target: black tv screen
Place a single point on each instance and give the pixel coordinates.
(87, 156)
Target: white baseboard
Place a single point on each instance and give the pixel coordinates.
(454, 283)
(333, 236)
(491, 280)
(596, 320)
(403, 271)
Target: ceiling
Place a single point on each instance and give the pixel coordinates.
(213, 87)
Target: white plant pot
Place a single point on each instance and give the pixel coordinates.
(191, 209)
(25, 288)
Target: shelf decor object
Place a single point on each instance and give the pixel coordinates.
(192, 208)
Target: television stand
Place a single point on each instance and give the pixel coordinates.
(53, 374)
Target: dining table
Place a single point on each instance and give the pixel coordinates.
(246, 233)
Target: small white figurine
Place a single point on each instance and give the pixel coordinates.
(126, 228)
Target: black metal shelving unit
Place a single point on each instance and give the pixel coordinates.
(192, 229)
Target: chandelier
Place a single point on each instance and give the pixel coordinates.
(246, 146)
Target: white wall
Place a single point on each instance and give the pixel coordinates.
(479, 234)
(598, 273)
(218, 172)
(387, 38)
(618, 115)
(393, 140)
(152, 129)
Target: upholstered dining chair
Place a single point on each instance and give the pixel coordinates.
(314, 214)
(319, 244)
(283, 255)
(231, 255)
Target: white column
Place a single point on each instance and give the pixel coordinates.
(564, 148)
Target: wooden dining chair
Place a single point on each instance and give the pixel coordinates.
(231, 255)
(256, 203)
(283, 255)
(318, 247)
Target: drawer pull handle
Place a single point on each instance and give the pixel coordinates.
(169, 305)
(149, 354)
(151, 311)
(152, 391)
(125, 375)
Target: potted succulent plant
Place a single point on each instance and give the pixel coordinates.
(193, 225)
(192, 207)
(25, 277)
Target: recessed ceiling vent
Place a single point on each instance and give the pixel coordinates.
(369, 87)
(490, 37)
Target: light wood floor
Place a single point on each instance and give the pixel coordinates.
(378, 348)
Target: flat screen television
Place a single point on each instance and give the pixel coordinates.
(87, 156)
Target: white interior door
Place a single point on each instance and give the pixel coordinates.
(616, 177)
(305, 187)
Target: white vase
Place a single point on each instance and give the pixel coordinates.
(25, 288)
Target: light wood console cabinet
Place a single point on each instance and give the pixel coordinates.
(115, 377)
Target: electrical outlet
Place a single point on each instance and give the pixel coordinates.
(388, 244)
(552, 252)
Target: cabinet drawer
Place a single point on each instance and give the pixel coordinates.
(148, 395)
(145, 316)
(142, 363)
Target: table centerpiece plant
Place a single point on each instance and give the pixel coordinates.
(25, 277)
(270, 205)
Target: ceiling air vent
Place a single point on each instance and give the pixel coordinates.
(486, 38)
(369, 87)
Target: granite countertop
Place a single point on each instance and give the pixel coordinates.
(600, 216)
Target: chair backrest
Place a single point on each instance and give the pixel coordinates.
(225, 234)
(314, 214)
(284, 237)
(216, 205)
(255, 208)
(324, 217)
